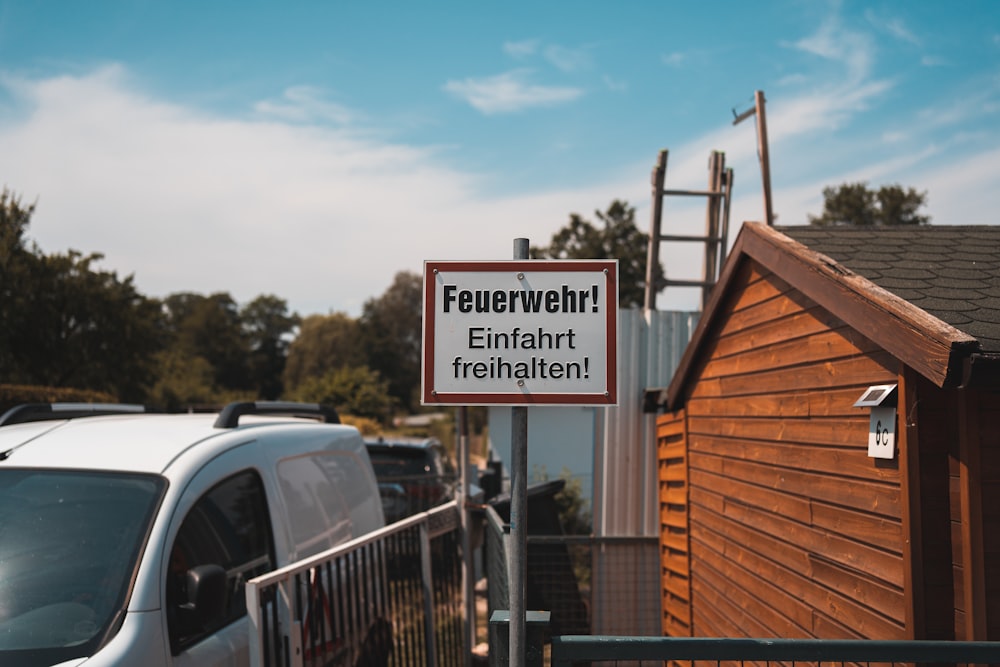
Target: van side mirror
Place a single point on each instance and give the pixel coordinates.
(206, 592)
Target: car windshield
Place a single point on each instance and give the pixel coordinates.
(69, 542)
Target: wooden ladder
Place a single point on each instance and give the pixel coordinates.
(715, 239)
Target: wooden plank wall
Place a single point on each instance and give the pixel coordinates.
(672, 475)
(989, 434)
(982, 452)
(931, 415)
(794, 530)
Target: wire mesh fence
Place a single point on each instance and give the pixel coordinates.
(591, 585)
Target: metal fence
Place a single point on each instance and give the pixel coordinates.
(392, 598)
(569, 577)
(691, 651)
(590, 585)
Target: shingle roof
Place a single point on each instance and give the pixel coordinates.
(951, 272)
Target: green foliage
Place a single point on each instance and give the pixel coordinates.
(857, 204)
(67, 323)
(619, 238)
(353, 390)
(183, 380)
(267, 325)
(210, 327)
(573, 508)
(367, 427)
(391, 331)
(324, 343)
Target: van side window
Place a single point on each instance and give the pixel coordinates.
(230, 527)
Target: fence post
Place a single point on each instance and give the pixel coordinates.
(536, 630)
(428, 586)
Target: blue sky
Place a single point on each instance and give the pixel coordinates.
(313, 149)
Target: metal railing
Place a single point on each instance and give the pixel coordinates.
(575, 650)
(392, 598)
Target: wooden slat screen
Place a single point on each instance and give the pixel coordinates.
(674, 545)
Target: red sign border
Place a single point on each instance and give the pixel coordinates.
(610, 395)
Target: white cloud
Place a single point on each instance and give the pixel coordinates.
(675, 59)
(509, 92)
(614, 85)
(833, 42)
(980, 102)
(188, 201)
(893, 25)
(521, 49)
(792, 80)
(963, 191)
(305, 104)
(566, 59)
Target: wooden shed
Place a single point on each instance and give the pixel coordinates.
(775, 520)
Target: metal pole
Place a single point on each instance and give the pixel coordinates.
(468, 574)
(517, 566)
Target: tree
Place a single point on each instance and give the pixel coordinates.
(183, 380)
(268, 325)
(15, 282)
(210, 328)
(391, 330)
(857, 204)
(352, 390)
(618, 239)
(324, 343)
(64, 323)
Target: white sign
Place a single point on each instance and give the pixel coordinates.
(882, 433)
(520, 332)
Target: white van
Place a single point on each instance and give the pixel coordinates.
(126, 538)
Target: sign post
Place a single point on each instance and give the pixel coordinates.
(520, 333)
(517, 560)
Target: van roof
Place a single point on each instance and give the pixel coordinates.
(147, 443)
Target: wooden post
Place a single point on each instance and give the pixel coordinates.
(710, 268)
(653, 250)
(765, 160)
(971, 499)
(762, 150)
(911, 515)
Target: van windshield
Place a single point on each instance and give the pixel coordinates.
(69, 543)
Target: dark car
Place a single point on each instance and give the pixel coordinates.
(414, 474)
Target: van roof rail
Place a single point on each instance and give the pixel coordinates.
(35, 412)
(230, 415)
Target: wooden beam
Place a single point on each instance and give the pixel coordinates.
(910, 487)
(971, 498)
(655, 225)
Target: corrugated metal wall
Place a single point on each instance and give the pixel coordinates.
(625, 503)
(650, 346)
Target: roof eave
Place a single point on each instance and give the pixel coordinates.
(930, 346)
